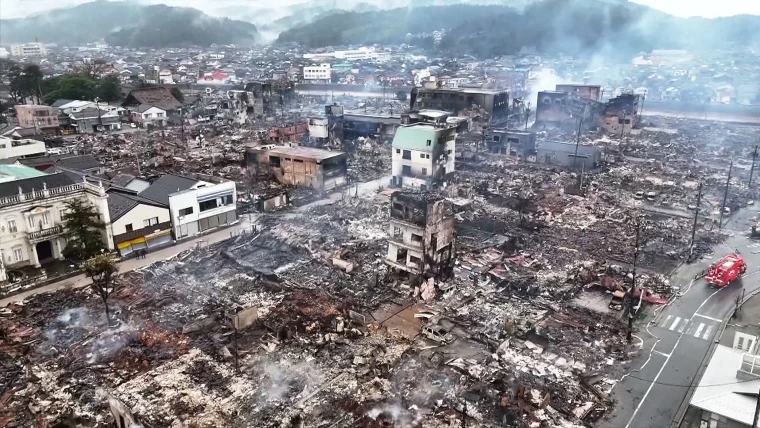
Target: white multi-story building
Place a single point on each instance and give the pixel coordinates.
(196, 204)
(19, 148)
(31, 218)
(423, 154)
(361, 54)
(319, 72)
(29, 49)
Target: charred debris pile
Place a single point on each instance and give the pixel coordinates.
(309, 322)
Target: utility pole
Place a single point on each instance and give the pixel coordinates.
(752, 170)
(632, 291)
(100, 118)
(757, 412)
(182, 126)
(577, 140)
(725, 195)
(696, 215)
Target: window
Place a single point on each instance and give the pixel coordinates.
(407, 155)
(497, 138)
(18, 254)
(274, 161)
(398, 151)
(150, 222)
(429, 142)
(30, 219)
(427, 156)
(448, 152)
(397, 232)
(12, 226)
(424, 171)
(406, 171)
(159, 115)
(185, 211)
(46, 219)
(148, 115)
(417, 239)
(422, 155)
(128, 227)
(207, 205)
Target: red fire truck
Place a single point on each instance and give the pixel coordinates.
(726, 270)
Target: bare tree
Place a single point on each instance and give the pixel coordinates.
(92, 69)
(102, 270)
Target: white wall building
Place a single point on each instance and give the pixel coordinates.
(202, 207)
(361, 54)
(138, 223)
(31, 218)
(10, 148)
(319, 72)
(196, 204)
(29, 49)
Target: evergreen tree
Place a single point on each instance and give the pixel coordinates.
(82, 227)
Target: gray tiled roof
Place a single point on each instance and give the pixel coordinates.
(160, 190)
(120, 203)
(10, 188)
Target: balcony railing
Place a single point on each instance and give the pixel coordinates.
(45, 233)
(134, 234)
(45, 193)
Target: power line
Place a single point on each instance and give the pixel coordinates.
(691, 384)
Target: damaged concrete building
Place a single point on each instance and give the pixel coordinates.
(423, 155)
(621, 114)
(421, 233)
(516, 144)
(304, 166)
(494, 102)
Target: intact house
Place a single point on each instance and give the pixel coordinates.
(42, 118)
(305, 166)
(158, 97)
(196, 204)
(92, 119)
(146, 115)
(138, 222)
(421, 233)
(31, 218)
(423, 155)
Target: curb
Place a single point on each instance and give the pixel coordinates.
(685, 404)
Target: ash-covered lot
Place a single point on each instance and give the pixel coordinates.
(517, 332)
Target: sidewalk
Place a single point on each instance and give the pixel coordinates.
(128, 265)
(80, 281)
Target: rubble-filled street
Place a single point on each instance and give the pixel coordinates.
(308, 321)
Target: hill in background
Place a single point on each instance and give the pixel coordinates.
(127, 24)
(551, 26)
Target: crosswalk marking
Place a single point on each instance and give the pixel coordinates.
(707, 332)
(699, 330)
(675, 323)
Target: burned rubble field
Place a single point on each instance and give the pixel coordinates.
(329, 348)
(341, 340)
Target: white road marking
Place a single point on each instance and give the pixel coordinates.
(699, 330)
(709, 318)
(685, 323)
(660, 353)
(667, 320)
(707, 332)
(659, 373)
(675, 323)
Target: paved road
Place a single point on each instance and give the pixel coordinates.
(245, 222)
(678, 337)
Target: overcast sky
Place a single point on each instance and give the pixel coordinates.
(706, 8)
